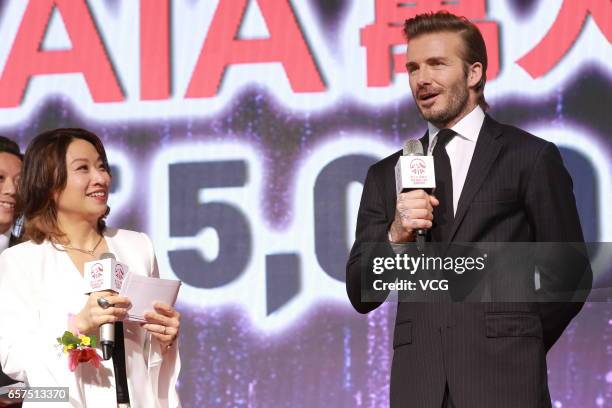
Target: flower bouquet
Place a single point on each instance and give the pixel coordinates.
(80, 349)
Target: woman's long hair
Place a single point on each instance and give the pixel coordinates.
(43, 175)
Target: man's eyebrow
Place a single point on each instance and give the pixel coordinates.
(428, 60)
(436, 59)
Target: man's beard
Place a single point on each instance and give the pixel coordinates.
(458, 99)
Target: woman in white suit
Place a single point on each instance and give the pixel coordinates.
(63, 195)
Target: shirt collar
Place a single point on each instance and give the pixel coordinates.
(468, 127)
(5, 237)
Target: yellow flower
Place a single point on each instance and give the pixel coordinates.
(68, 348)
(85, 340)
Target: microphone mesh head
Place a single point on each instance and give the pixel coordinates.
(107, 255)
(413, 147)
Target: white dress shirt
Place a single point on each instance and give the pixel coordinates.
(4, 240)
(460, 148)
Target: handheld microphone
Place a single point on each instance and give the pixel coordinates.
(415, 171)
(101, 275)
(413, 147)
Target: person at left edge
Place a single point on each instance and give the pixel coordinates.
(63, 195)
(10, 168)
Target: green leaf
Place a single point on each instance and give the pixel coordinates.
(68, 338)
(93, 341)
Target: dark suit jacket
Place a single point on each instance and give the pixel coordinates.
(4, 379)
(489, 354)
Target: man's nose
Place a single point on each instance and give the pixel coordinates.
(423, 76)
(9, 186)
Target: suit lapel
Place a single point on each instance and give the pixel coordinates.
(390, 193)
(485, 153)
(13, 240)
(425, 142)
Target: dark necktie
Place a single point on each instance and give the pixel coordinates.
(443, 213)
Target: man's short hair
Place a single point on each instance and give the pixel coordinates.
(474, 49)
(8, 146)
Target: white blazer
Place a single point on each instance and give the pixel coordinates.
(39, 288)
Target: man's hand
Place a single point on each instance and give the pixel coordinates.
(413, 211)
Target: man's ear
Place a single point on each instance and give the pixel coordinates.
(474, 74)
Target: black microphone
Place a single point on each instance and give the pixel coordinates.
(107, 330)
(107, 337)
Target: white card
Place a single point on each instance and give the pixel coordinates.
(144, 291)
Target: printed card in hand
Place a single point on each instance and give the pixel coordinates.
(144, 292)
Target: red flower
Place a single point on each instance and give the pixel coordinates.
(83, 355)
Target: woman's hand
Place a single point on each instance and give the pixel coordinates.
(163, 324)
(93, 316)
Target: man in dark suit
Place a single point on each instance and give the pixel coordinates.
(494, 183)
(10, 168)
